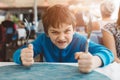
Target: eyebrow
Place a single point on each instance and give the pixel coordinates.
(54, 29)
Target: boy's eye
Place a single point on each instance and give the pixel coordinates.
(67, 31)
(54, 32)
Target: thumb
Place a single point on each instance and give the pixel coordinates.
(77, 55)
(30, 46)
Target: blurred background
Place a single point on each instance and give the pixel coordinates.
(26, 8)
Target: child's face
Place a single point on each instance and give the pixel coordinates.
(61, 36)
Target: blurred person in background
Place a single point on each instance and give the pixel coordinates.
(107, 8)
(10, 30)
(111, 37)
(21, 31)
(80, 24)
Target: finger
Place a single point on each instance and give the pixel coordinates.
(27, 50)
(85, 56)
(81, 65)
(77, 54)
(85, 70)
(30, 46)
(85, 59)
(27, 54)
(28, 59)
(28, 63)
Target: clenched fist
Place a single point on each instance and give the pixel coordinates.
(87, 62)
(27, 56)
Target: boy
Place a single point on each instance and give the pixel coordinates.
(60, 43)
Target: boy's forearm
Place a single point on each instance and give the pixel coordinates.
(16, 57)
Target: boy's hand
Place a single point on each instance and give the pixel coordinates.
(27, 55)
(87, 62)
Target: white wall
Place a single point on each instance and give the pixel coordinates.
(117, 5)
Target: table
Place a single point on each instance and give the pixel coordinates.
(112, 70)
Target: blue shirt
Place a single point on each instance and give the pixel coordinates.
(52, 53)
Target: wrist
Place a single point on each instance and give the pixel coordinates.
(97, 61)
(21, 61)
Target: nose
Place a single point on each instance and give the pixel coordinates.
(61, 36)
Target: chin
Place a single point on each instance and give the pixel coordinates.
(62, 47)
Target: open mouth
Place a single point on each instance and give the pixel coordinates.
(61, 42)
